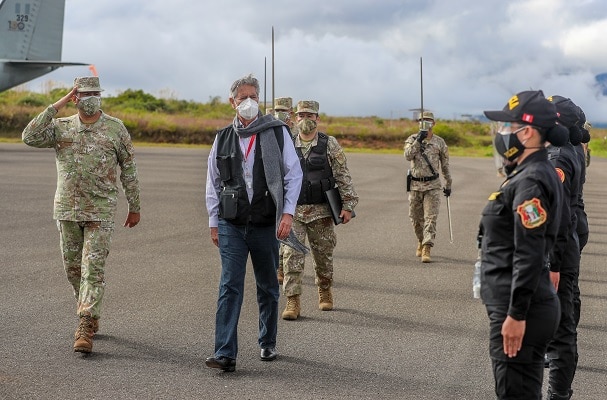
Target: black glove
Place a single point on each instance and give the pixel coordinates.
(422, 135)
(447, 192)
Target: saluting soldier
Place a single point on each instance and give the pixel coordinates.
(89, 147)
(428, 154)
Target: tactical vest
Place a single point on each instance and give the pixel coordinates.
(317, 173)
(234, 205)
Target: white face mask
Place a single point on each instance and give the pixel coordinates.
(248, 109)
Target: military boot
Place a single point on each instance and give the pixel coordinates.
(293, 309)
(426, 253)
(325, 299)
(83, 338)
(95, 322)
(418, 252)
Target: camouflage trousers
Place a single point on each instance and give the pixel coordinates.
(423, 212)
(281, 256)
(85, 247)
(322, 239)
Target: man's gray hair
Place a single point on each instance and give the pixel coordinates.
(249, 80)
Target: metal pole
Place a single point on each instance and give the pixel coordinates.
(421, 85)
(449, 215)
(273, 94)
(265, 103)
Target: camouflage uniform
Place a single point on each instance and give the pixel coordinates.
(424, 197)
(315, 221)
(87, 157)
(283, 110)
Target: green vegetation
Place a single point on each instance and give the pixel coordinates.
(154, 120)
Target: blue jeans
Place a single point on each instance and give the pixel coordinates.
(235, 245)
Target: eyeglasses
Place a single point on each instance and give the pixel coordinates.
(243, 98)
(506, 128)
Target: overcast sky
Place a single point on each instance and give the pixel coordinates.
(355, 57)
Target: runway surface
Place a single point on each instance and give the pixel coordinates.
(400, 329)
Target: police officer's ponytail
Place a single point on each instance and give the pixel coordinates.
(575, 135)
(557, 135)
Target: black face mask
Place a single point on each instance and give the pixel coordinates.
(508, 146)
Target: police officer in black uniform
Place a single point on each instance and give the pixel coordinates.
(565, 260)
(518, 229)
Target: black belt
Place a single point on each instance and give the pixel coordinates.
(424, 179)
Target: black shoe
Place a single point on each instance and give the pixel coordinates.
(268, 354)
(224, 363)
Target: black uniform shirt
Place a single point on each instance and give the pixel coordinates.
(565, 255)
(519, 226)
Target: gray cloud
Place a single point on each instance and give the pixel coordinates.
(355, 57)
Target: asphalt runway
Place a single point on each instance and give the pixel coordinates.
(400, 329)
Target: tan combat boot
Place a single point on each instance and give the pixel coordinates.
(84, 335)
(95, 322)
(325, 299)
(426, 253)
(418, 252)
(293, 309)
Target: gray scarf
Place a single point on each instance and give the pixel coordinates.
(272, 164)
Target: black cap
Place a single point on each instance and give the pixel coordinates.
(528, 107)
(567, 112)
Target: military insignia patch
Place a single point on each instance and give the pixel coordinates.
(532, 213)
(561, 174)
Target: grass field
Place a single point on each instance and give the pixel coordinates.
(154, 121)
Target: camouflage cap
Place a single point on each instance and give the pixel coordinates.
(309, 106)
(87, 84)
(426, 115)
(283, 104)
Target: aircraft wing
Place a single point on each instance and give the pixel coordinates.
(39, 63)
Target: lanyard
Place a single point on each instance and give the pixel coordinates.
(246, 154)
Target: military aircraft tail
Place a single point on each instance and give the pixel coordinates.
(31, 37)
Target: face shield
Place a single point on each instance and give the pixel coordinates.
(506, 142)
(425, 124)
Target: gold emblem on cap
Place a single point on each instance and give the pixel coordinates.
(513, 102)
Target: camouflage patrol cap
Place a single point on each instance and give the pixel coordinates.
(426, 115)
(308, 106)
(87, 84)
(283, 104)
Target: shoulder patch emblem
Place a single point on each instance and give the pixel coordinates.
(561, 174)
(532, 213)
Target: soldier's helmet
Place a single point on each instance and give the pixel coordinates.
(307, 106)
(87, 84)
(283, 104)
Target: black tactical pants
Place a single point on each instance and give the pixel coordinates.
(562, 350)
(520, 377)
